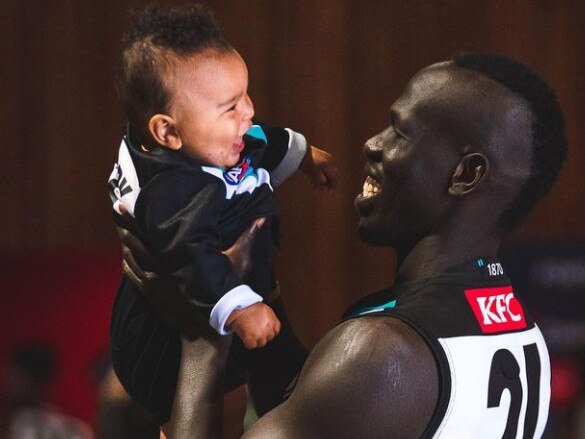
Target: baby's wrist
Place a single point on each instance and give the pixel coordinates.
(235, 314)
(239, 297)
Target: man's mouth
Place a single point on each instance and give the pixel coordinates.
(371, 187)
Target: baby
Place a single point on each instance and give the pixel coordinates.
(194, 171)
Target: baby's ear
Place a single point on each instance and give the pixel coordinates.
(163, 130)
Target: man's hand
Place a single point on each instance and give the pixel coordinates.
(163, 295)
(256, 325)
(239, 253)
(319, 167)
(160, 291)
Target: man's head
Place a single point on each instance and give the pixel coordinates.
(472, 144)
(548, 142)
(183, 86)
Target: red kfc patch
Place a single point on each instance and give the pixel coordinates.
(496, 309)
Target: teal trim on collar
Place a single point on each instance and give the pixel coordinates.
(377, 308)
(257, 132)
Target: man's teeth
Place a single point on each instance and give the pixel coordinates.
(371, 188)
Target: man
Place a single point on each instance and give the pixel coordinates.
(448, 351)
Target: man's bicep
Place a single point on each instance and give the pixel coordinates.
(317, 404)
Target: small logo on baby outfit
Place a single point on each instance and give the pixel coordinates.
(118, 182)
(496, 309)
(236, 174)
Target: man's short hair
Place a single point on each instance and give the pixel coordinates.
(549, 145)
(157, 38)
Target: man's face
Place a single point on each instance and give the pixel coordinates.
(410, 164)
(210, 104)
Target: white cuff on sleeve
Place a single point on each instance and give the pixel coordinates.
(239, 297)
(297, 148)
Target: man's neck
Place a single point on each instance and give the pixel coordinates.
(436, 253)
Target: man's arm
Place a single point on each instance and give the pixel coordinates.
(371, 377)
(271, 369)
(203, 355)
(200, 385)
(162, 293)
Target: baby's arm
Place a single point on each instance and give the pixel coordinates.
(256, 325)
(289, 151)
(319, 167)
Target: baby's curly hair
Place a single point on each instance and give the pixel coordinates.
(157, 39)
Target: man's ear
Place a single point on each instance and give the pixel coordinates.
(163, 130)
(470, 171)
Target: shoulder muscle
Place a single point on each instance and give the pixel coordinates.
(369, 377)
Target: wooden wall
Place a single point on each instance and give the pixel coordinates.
(328, 68)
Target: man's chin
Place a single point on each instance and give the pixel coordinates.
(369, 236)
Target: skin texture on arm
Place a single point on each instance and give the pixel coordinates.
(199, 385)
(368, 378)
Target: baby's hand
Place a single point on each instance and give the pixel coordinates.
(256, 325)
(320, 168)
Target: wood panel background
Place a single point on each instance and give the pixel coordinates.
(328, 68)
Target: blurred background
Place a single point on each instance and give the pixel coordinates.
(327, 68)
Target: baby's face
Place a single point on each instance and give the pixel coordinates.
(210, 104)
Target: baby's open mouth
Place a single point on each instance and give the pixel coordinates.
(239, 145)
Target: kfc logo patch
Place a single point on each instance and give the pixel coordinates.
(496, 309)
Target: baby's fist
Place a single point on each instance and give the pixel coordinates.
(320, 168)
(256, 325)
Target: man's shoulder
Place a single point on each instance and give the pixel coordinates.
(370, 369)
(390, 337)
(376, 351)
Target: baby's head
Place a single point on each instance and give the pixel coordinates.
(183, 86)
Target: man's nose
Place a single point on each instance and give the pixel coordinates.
(373, 149)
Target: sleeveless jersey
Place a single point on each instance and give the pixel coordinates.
(493, 363)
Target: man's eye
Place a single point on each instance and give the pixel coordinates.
(398, 134)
